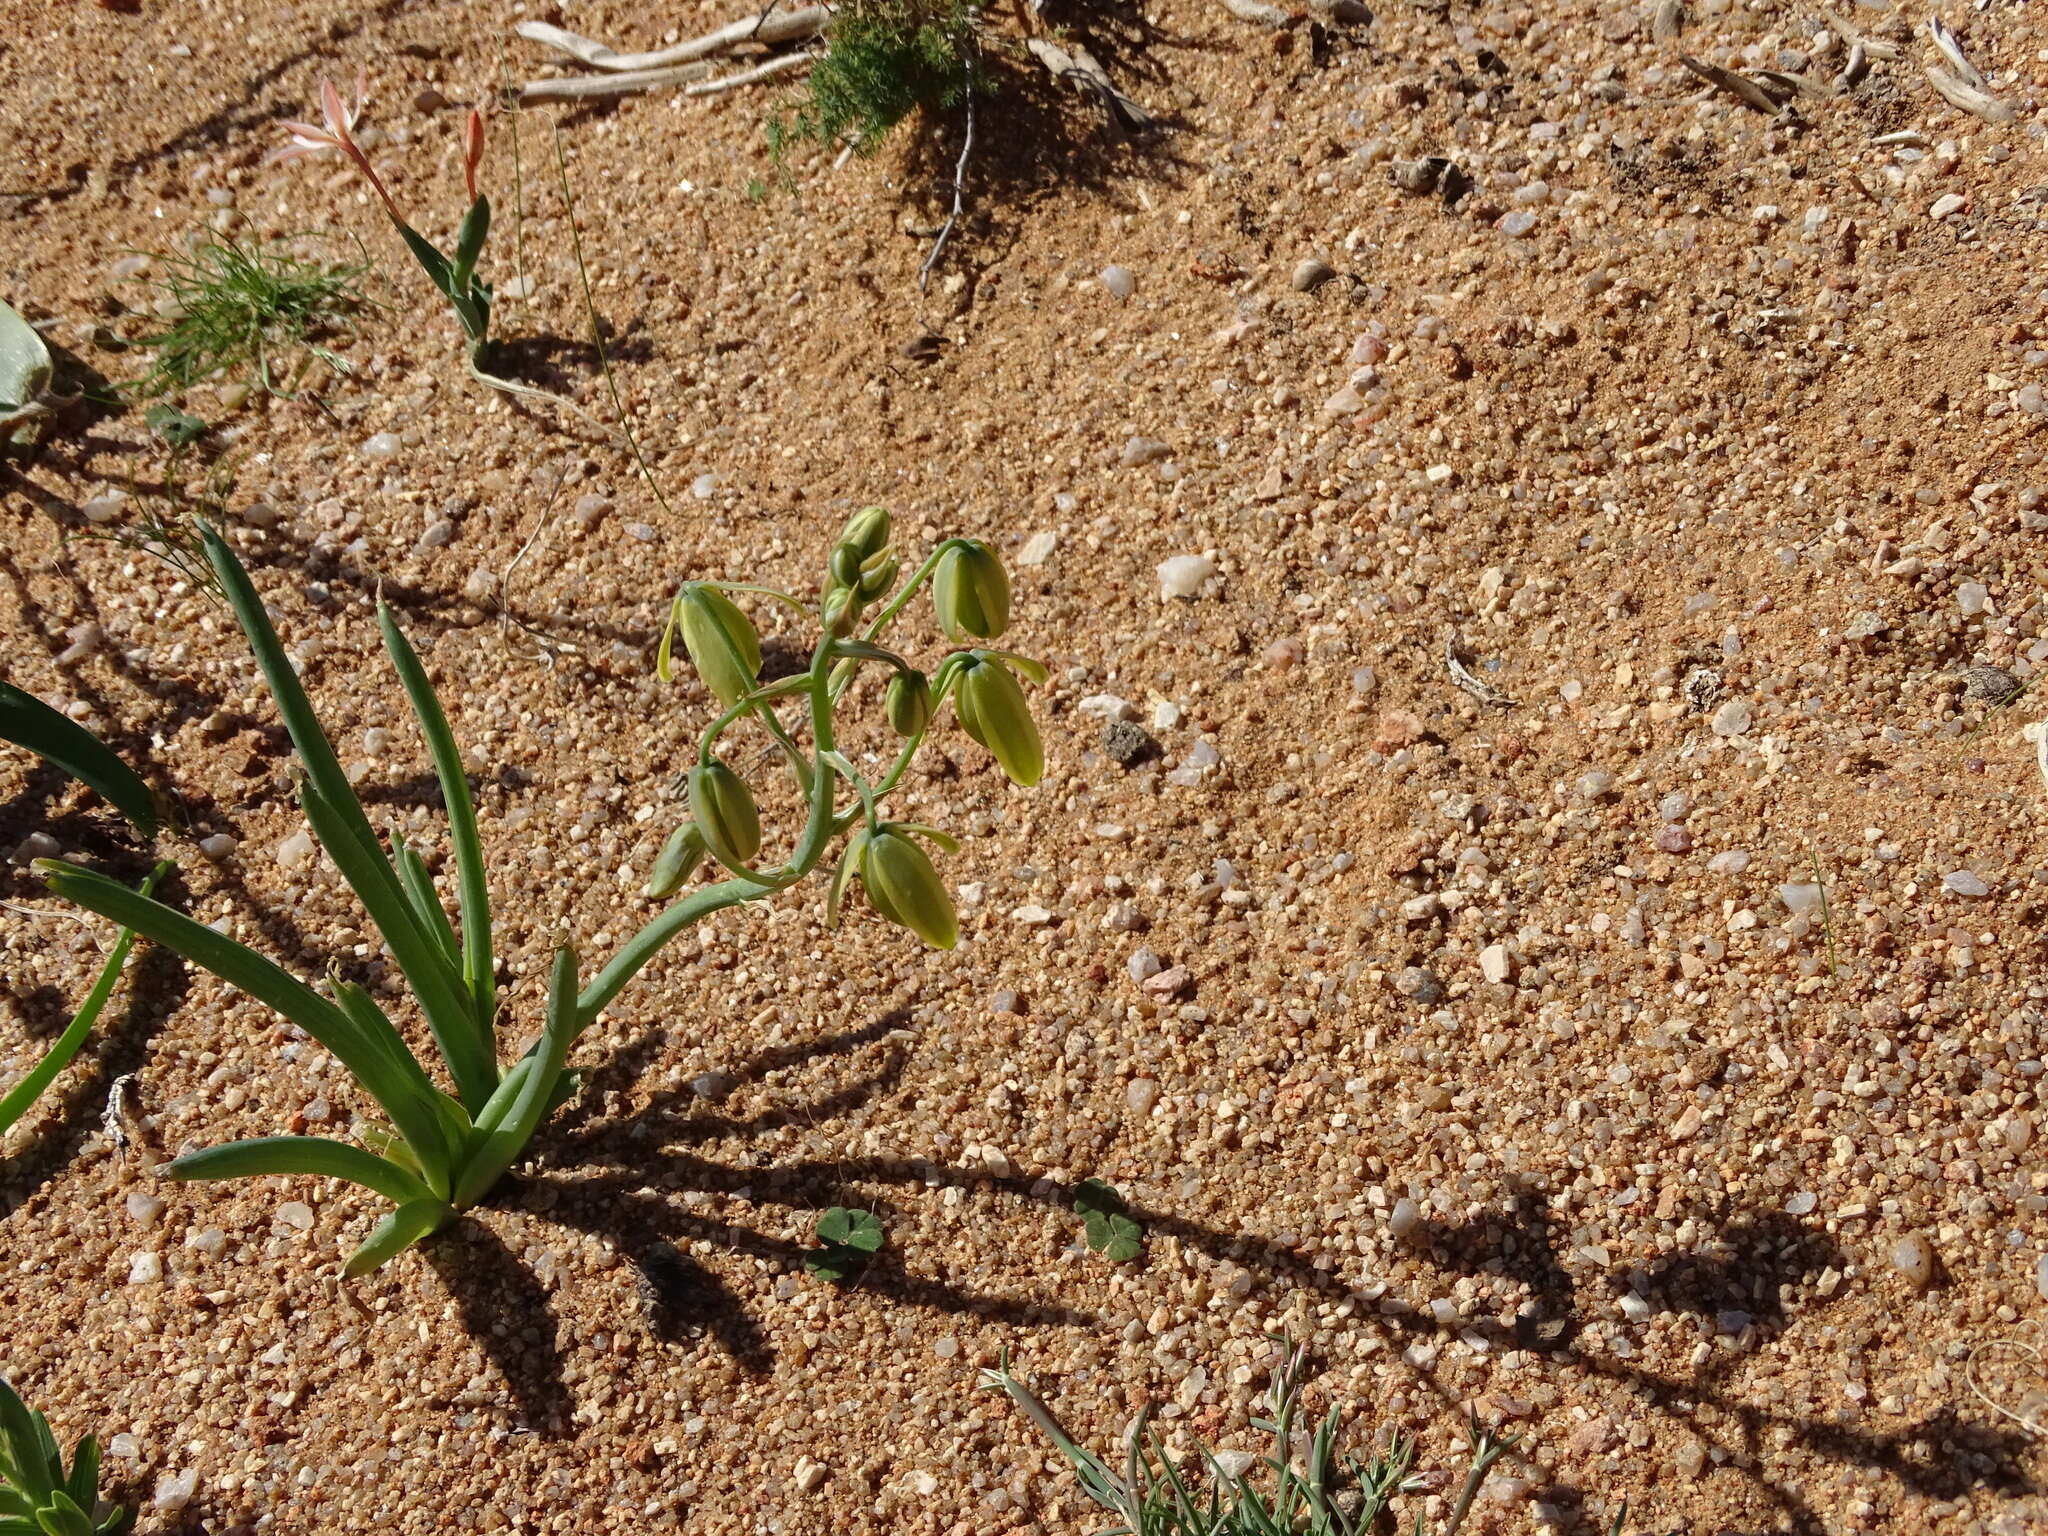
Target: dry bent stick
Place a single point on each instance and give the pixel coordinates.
(772, 26)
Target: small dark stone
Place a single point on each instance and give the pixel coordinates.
(1535, 1331)
(1127, 743)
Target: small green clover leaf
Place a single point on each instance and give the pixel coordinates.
(850, 1238)
(1107, 1222)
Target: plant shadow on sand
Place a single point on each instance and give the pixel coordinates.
(593, 1177)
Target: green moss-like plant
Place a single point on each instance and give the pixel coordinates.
(886, 60)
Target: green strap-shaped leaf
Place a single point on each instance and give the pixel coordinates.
(62, 1517)
(371, 1060)
(308, 1156)
(84, 1481)
(402, 1089)
(59, 1055)
(347, 837)
(396, 1232)
(479, 965)
(424, 959)
(520, 1114)
(469, 239)
(21, 1447)
(418, 883)
(62, 742)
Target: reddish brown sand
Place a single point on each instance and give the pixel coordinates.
(1721, 470)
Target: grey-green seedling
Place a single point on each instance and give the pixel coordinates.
(24, 374)
(1107, 1222)
(437, 1153)
(848, 1239)
(1284, 1493)
(233, 307)
(37, 1496)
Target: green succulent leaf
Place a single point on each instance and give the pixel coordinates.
(312, 1156)
(1106, 1221)
(24, 364)
(397, 1231)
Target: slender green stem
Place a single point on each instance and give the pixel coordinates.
(748, 704)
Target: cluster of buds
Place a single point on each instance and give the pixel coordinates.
(971, 600)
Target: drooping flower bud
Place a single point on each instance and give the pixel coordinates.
(877, 572)
(971, 591)
(903, 887)
(677, 861)
(908, 700)
(993, 710)
(866, 533)
(723, 810)
(472, 151)
(845, 566)
(840, 612)
(721, 642)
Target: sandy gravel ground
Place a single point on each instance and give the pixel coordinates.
(1498, 1048)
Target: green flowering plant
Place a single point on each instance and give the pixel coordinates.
(971, 600)
(454, 274)
(437, 1153)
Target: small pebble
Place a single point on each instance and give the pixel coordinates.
(1038, 548)
(1031, 915)
(1311, 274)
(1120, 282)
(1141, 1093)
(1913, 1258)
(382, 445)
(1140, 451)
(1946, 204)
(810, 1475)
(1184, 575)
(1006, 1002)
(1143, 965)
(144, 1207)
(296, 1214)
(145, 1268)
(174, 1491)
(1404, 1219)
(1496, 963)
(1800, 897)
(1963, 883)
(1971, 597)
(1732, 718)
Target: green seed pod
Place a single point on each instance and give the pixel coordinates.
(723, 810)
(903, 887)
(677, 861)
(971, 591)
(866, 533)
(908, 701)
(993, 710)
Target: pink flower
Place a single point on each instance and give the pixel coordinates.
(337, 120)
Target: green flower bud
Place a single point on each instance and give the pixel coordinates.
(903, 887)
(677, 861)
(877, 572)
(993, 710)
(845, 566)
(908, 700)
(841, 612)
(721, 643)
(722, 807)
(866, 533)
(971, 591)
